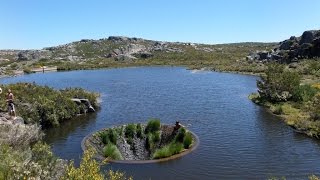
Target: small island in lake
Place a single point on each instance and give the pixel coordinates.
(142, 142)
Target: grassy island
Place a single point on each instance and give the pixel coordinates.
(141, 142)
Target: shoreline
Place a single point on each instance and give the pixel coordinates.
(133, 66)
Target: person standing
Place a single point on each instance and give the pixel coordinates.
(11, 108)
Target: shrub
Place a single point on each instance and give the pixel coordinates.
(153, 126)
(109, 136)
(277, 109)
(112, 136)
(130, 140)
(27, 70)
(139, 131)
(156, 136)
(89, 168)
(168, 150)
(49, 107)
(36, 163)
(180, 135)
(111, 151)
(130, 130)
(278, 85)
(304, 93)
(104, 137)
(314, 107)
(187, 141)
(149, 142)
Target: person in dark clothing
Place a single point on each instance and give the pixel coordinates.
(11, 108)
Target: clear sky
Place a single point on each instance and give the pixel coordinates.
(29, 24)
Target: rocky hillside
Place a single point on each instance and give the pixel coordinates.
(117, 51)
(306, 46)
(120, 48)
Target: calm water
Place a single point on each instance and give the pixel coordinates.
(238, 140)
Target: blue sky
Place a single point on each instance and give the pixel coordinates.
(41, 23)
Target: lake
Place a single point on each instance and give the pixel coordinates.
(238, 139)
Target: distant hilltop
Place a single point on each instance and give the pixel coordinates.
(118, 47)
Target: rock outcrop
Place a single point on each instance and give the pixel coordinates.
(117, 47)
(14, 132)
(86, 103)
(292, 49)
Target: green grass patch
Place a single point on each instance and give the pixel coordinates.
(187, 141)
(111, 151)
(139, 131)
(109, 136)
(180, 135)
(130, 130)
(169, 150)
(277, 109)
(153, 126)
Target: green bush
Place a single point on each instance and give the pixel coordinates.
(187, 141)
(149, 142)
(156, 136)
(104, 137)
(139, 131)
(112, 136)
(168, 150)
(27, 70)
(44, 105)
(180, 135)
(304, 93)
(277, 109)
(153, 126)
(130, 130)
(278, 85)
(109, 136)
(111, 150)
(314, 107)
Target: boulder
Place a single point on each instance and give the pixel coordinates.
(145, 55)
(117, 38)
(22, 56)
(124, 57)
(285, 45)
(307, 37)
(263, 55)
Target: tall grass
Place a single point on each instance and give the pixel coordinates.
(187, 141)
(152, 126)
(139, 131)
(130, 130)
(168, 150)
(111, 150)
(109, 136)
